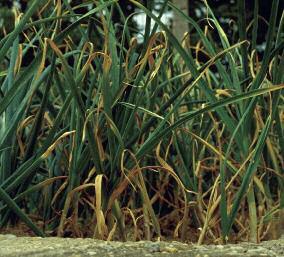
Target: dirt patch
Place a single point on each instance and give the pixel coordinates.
(11, 245)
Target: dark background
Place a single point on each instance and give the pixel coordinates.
(221, 8)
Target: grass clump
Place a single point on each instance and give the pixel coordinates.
(104, 137)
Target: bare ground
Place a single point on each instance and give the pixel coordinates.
(11, 245)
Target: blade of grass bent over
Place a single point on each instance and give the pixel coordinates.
(159, 133)
(18, 29)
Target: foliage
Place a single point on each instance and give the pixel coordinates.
(100, 136)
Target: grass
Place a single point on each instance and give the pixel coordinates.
(103, 137)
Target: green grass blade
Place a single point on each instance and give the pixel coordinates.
(248, 174)
(13, 206)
